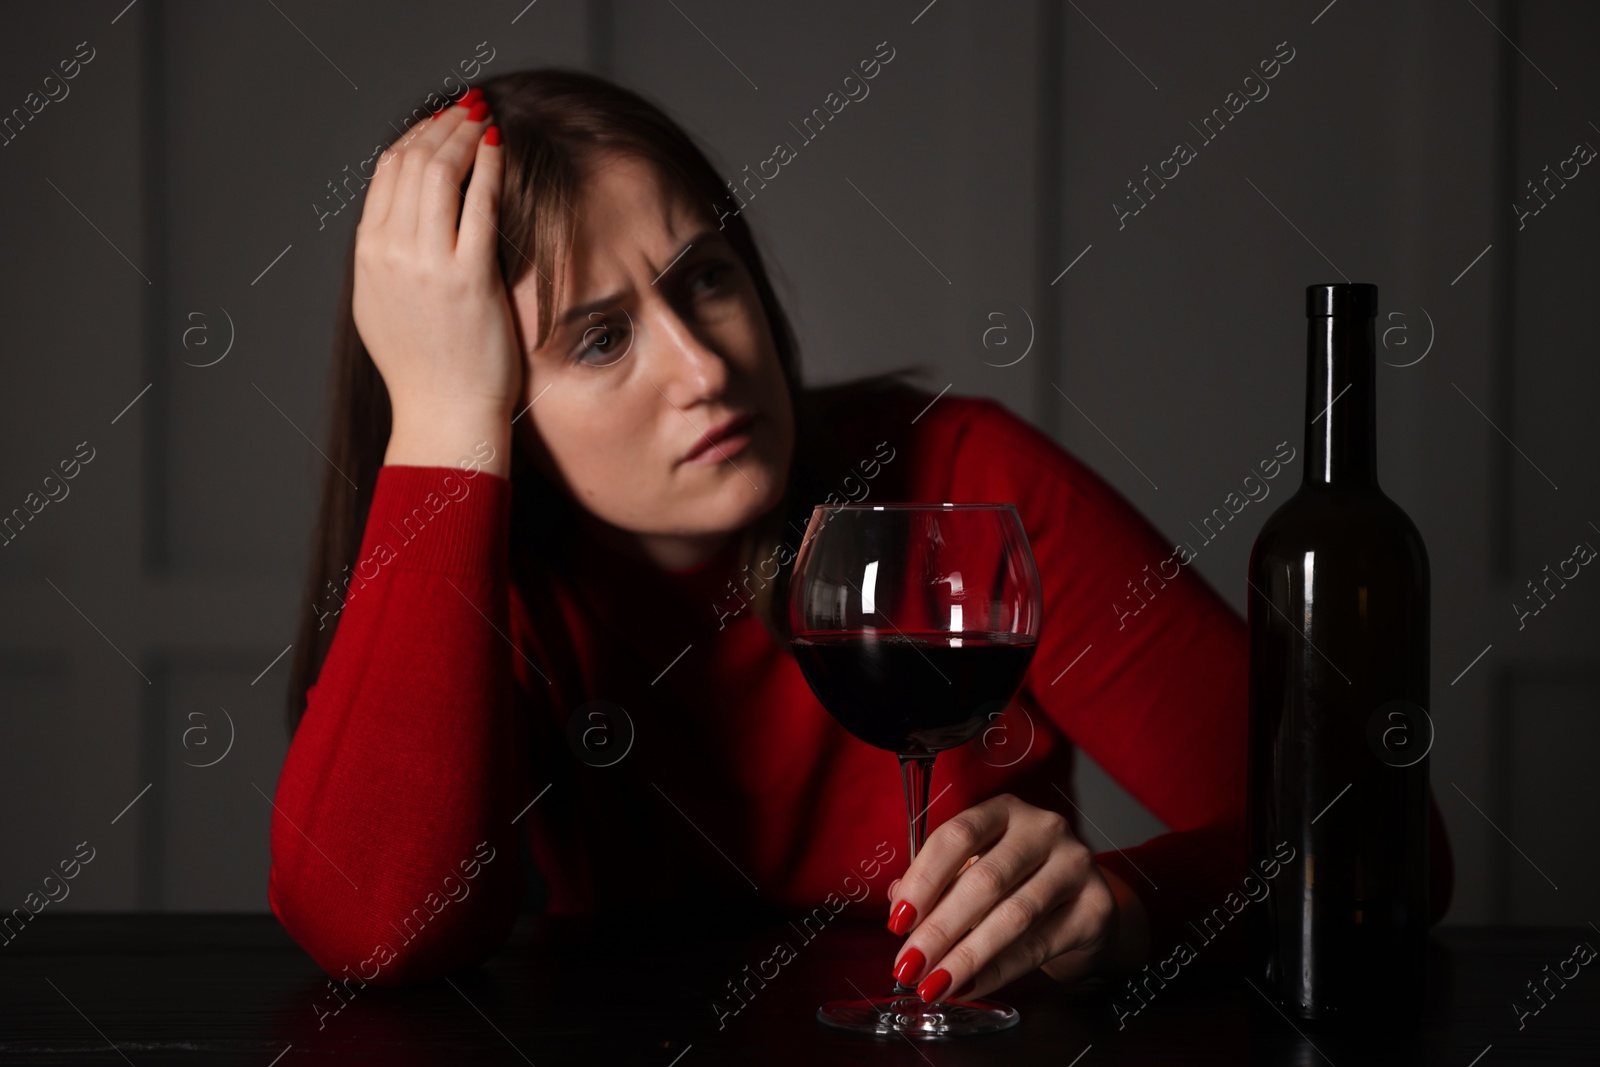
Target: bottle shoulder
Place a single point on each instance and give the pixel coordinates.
(1357, 522)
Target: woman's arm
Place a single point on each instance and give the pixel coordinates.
(394, 854)
(393, 850)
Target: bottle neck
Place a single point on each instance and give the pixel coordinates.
(1341, 401)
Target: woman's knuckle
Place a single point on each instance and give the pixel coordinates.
(371, 262)
(934, 931)
(1037, 947)
(1018, 911)
(988, 877)
(962, 831)
(1102, 904)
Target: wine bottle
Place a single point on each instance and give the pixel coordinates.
(1339, 731)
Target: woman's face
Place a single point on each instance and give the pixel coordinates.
(660, 340)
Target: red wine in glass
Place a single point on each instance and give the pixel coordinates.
(914, 624)
(913, 693)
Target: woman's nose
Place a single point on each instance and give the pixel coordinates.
(692, 369)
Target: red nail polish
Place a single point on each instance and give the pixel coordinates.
(901, 918)
(933, 986)
(491, 136)
(470, 97)
(479, 112)
(963, 991)
(910, 966)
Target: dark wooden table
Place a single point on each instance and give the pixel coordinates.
(234, 989)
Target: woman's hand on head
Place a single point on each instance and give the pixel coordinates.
(429, 301)
(1003, 888)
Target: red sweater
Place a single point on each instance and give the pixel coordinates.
(453, 698)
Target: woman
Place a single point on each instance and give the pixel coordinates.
(574, 457)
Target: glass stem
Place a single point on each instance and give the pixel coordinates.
(916, 772)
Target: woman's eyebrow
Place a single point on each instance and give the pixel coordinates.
(583, 311)
(706, 236)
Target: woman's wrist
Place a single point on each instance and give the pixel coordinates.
(452, 438)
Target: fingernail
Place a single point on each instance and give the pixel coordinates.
(470, 97)
(901, 918)
(933, 986)
(910, 966)
(479, 111)
(963, 991)
(491, 136)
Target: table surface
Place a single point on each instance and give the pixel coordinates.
(235, 989)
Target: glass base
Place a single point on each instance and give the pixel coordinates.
(914, 1017)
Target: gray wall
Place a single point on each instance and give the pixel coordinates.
(139, 213)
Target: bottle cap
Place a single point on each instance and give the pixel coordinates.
(1345, 300)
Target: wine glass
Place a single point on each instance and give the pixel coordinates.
(914, 624)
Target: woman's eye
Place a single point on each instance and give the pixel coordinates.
(711, 278)
(603, 343)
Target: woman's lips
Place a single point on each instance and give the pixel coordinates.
(722, 442)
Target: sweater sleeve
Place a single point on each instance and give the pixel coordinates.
(394, 856)
(1144, 667)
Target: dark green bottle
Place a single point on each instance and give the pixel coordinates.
(1339, 732)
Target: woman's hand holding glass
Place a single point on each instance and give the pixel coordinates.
(1001, 889)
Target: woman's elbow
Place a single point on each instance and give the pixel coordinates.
(422, 945)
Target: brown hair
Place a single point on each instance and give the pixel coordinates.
(550, 120)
